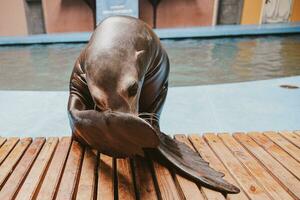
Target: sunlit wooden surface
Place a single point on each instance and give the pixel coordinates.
(263, 165)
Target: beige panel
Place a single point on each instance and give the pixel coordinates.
(12, 18)
(178, 13)
(295, 16)
(67, 16)
(252, 11)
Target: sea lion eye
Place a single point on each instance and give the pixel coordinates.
(132, 89)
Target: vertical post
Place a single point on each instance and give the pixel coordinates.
(154, 4)
(98, 13)
(215, 13)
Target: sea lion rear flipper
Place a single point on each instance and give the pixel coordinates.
(191, 164)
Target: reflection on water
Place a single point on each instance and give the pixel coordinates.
(193, 62)
(197, 62)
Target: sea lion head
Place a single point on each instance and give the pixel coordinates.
(115, 80)
(117, 58)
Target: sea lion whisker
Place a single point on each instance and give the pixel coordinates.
(150, 114)
(151, 118)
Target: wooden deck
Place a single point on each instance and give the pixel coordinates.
(264, 166)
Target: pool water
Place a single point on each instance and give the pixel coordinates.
(193, 62)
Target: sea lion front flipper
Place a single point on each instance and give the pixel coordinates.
(113, 133)
(191, 164)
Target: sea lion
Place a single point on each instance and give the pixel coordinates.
(117, 90)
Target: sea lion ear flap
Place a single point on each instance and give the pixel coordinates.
(138, 54)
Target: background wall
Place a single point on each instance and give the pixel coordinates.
(145, 12)
(12, 18)
(175, 13)
(67, 16)
(26, 17)
(178, 13)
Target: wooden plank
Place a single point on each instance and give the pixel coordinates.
(125, 181)
(105, 189)
(259, 172)
(86, 186)
(144, 180)
(189, 188)
(247, 182)
(35, 176)
(12, 159)
(55, 169)
(292, 137)
(70, 175)
(288, 181)
(206, 153)
(14, 182)
(284, 144)
(2, 140)
(7, 147)
(164, 181)
(279, 154)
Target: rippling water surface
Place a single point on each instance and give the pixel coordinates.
(193, 62)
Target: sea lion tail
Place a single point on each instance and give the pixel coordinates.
(190, 164)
